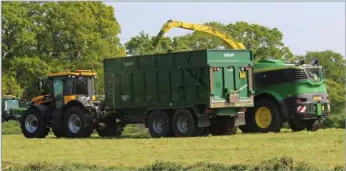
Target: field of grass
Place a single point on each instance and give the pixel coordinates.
(320, 150)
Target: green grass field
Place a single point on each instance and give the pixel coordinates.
(320, 150)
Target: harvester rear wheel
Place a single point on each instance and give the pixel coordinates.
(264, 117)
(159, 124)
(33, 124)
(111, 129)
(77, 123)
(185, 124)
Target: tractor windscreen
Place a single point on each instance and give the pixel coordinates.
(84, 85)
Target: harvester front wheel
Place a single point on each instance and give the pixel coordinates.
(77, 123)
(313, 125)
(296, 125)
(33, 124)
(159, 124)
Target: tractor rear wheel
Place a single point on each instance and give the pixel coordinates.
(77, 123)
(33, 124)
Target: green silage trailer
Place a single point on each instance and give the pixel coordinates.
(182, 93)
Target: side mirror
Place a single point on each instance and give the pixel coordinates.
(314, 62)
(300, 62)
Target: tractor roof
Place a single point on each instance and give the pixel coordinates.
(75, 73)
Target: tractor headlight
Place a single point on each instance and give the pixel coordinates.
(84, 100)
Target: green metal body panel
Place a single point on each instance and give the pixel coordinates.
(284, 91)
(178, 80)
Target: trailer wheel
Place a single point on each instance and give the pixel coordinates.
(264, 117)
(159, 124)
(33, 124)
(185, 124)
(111, 129)
(77, 123)
(296, 125)
(223, 125)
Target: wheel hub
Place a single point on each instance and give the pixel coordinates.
(158, 125)
(31, 123)
(74, 123)
(263, 117)
(182, 124)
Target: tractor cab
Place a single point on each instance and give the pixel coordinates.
(69, 86)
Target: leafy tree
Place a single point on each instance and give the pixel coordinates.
(43, 37)
(10, 85)
(143, 44)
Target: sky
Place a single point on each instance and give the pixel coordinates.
(306, 26)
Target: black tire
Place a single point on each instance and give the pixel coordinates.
(33, 124)
(58, 132)
(245, 129)
(163, 130)
(313, 125)
(57, 125)
(205, 132)
(112, 128)
(296, 125)
(191, 128)
(223, 125)
(83, 121)
(252, 125)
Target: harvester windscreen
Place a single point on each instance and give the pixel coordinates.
(314, 74)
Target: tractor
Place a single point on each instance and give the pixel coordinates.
(68, 109)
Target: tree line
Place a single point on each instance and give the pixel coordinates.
(43, 37)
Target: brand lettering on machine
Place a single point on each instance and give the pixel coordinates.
(228, 54)
(128, 63)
